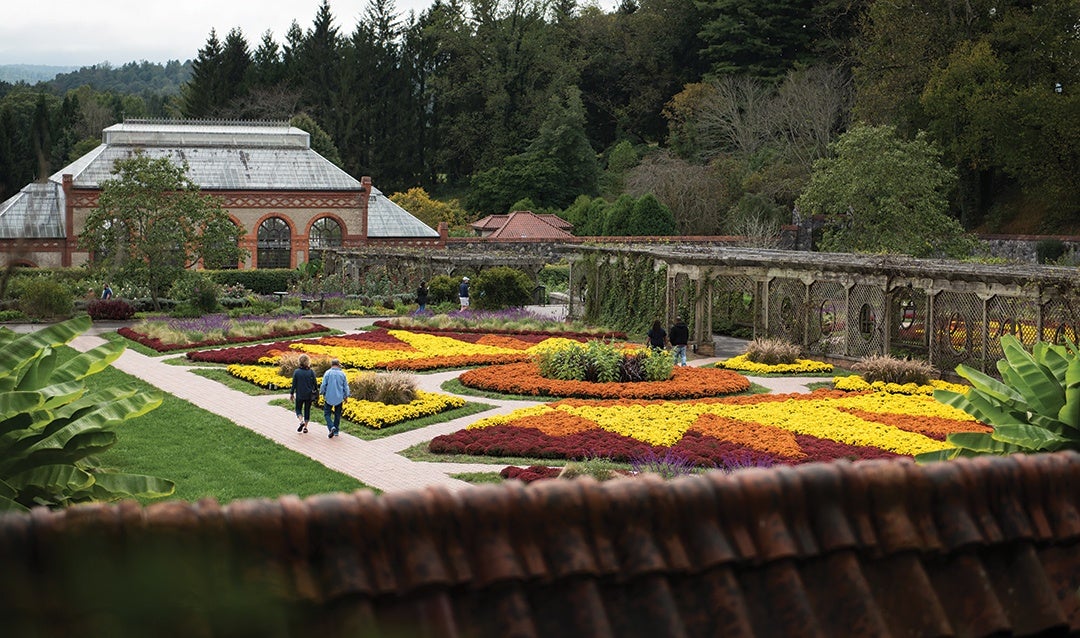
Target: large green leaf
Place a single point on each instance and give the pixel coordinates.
(14, 403)
(18, 353)
(981, 442)
(106, 415)
(133, 485)
(1031, 438)
(1053, 358)
(51, 479)
(9, 505)
(989, 385)
(944, 455)
(1069, 414)
(979, 406)
(38, 371)
(89, 362)
(1040, 388)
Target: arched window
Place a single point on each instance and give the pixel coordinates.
(325, 233)
(275, 244)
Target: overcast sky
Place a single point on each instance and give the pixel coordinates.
(86, 32)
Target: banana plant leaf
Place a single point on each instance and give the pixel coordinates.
(979, 406)
(9, 505)
(118, 485)
(1037, 384)
(1055, 358)
(944, 455)
(51, 479)
(88, 363)
(1030, 437)
(989, 385)
(981, 442)
(19, 352)
(1069, 414)
(106, 415)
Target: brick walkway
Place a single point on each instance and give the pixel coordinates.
(376, 462)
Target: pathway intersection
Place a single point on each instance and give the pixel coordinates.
(376, 463)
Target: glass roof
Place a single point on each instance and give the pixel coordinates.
(37, 211)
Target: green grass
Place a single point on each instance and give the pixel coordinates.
(478, 478)
(369, 434)
(223, 377)
(819, 385)
(208, 455)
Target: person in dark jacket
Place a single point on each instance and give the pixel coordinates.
(657, 336)
(304, 390)
(463, 293)
(421, 296)
(679, 336)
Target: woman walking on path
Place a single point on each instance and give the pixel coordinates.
(657, 336)
(334, 389)
(304, 390)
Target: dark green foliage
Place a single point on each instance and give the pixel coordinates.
(651, 218)
(626, 298)
(443, 289)
(602, 362)
(46, 299)
(617, 216)
(1048, 251)
(261, 281)
(758, 37)
(500, 287)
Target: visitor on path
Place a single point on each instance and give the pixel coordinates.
(303, 392)
(463, 293)
(421, 297)
(106, 292)
(679, 336)
(657, 336)
(334, 390)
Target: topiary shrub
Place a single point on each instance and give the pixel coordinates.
(110, 310)
(46, 299)
(500, 287)
(893, 370)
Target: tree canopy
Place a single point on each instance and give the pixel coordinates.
(152, 223)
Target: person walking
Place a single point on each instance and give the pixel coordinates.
(334, 390)
(679, 336)
(421, 297)
(303, 392)
(657, 336)
(463, 293)
(106, 292)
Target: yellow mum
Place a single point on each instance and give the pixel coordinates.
(801, 366)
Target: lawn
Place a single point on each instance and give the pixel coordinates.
(208, 455)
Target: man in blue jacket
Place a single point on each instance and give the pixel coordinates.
(335, 389)
(463, 293)
(679, 336)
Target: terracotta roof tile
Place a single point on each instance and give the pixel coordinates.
(980, 547)
(524, 225)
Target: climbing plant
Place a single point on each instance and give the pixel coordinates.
(624, 292)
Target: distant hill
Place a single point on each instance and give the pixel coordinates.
(131, 78)
(31, 73)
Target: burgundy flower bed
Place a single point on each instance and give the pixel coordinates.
(580, 336)
(531, 473)
(160, 346)
(700, 449)
(250, 355)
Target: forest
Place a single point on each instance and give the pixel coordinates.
(717, 112)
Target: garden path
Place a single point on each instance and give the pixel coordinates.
(376, 462)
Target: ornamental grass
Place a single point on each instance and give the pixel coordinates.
(889, 369)
(772, 351)
(169, 341)
(762, 429)
(685, 383)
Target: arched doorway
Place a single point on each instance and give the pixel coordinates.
(325, 233)
(274, 244)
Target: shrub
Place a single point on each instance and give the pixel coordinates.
(601, 362)
(772, 351)
(443, 289)
(501, 287)
(599, 468)
(11, 315)
(198, 290)
(1048, 251)
(262, 281)
(893, 370)
(46, 299)
(110, 310)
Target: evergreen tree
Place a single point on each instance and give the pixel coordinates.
(267, 67)
(235, 62)
(651, 218)
(759, 38)
(617, 217)
(201, 95)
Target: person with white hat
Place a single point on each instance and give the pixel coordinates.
(463, 293)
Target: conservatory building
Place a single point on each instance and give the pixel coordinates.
(291, 202)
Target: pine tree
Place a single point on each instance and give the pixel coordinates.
(200, 96)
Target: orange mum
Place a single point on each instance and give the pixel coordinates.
(756, 436)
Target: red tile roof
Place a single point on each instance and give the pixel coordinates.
(524, 225)
(981, 547)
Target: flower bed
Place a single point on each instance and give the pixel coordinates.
(406, 324)
(685, 383)
(795, 428)
(855, 383)
(801, 366)
(157, 344)
(390, 349)
(378, 415)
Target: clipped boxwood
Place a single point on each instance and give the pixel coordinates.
(500, 287)
(261, 281)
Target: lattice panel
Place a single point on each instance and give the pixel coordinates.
(787, 311)
(681, 300)
(733, 304)
(958, 333)
(909, 314)
(826, 318)
(865, 324)
(1061, 319)
(1010, 315)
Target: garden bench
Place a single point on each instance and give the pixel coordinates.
(308, 302)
